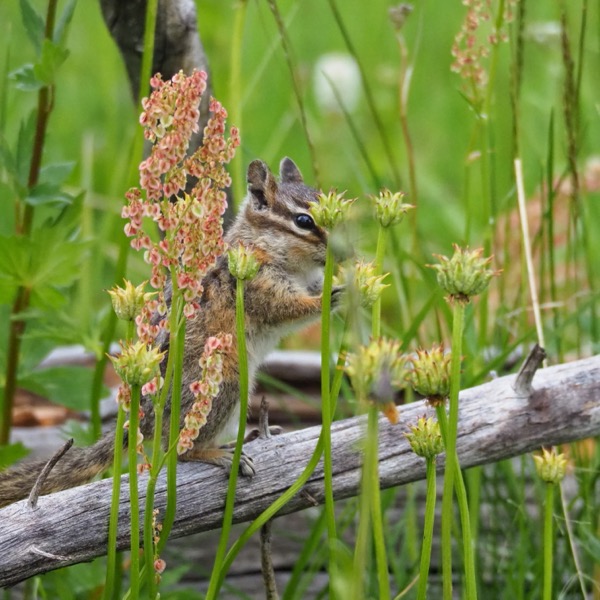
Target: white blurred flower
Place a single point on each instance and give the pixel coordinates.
(336, 74)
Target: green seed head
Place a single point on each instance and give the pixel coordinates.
(465, 274)
(365, 281)
(330, 209)
(376, 369)
(137, 364)
(128, 301)
(389, 208)
(425, 438)
(430, 374)
(550, 466)
(243, 262)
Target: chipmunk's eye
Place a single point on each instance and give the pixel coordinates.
(304, 221)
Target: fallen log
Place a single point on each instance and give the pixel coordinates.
(498, 420)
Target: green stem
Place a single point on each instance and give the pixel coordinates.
(272, 510)
(450, 444)
(124, 245)
(134, 502)
(375, 499)
(427, 529)
(215, 583)
(379, 256)
(548, 541)
(176, 346)
(111, 565)
(21, 303)
(235, 94)
(326, 412)
(149, 506)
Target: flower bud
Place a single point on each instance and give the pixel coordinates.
(243, 262)
(430, 374)
(550, 466)
(390, 209)
(465, 274)
(128, 302)
(138, 363)
(330, 209)
(425, 438)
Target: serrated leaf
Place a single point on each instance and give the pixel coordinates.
(52, 57)
(67, 386)
(56, 173)
(47, 193)
(11, 453)
(33, 23)
(42, 264)
(26, 79)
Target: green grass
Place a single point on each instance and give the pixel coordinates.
(94, 124)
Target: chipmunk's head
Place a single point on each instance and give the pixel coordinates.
(275, 219)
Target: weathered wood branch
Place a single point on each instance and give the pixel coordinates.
(496, 422)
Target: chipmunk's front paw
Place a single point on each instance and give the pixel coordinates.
(337, 293)
(246, 468)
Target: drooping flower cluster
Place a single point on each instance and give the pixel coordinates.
(206, 389)
(191, 222)
(472, 43)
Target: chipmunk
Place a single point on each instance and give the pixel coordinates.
(285, 295)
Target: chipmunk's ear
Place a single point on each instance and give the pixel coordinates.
(289, 172)
(262, 186)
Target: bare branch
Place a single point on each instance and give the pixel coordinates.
(495, 423)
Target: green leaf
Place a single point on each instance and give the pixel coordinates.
(46, 261)
(64, 21)
(67, 386)
(56, 173)
(47, 193)
(53, 56)
(33, 23)
(11, 453)
(26, 79)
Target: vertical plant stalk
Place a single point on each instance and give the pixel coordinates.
(113, 526)
(235, 93)
(23, 295)
(368, 93)
(272, 510)
(176, 345)
(215, 580)
(287, 50)
(124, 245)
(326, 408)
(370, 498)
(535, 303)
(134, 501)
(452, 474)
(548, 541)
(430, 500)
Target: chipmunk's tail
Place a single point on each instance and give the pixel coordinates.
(76, 467)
